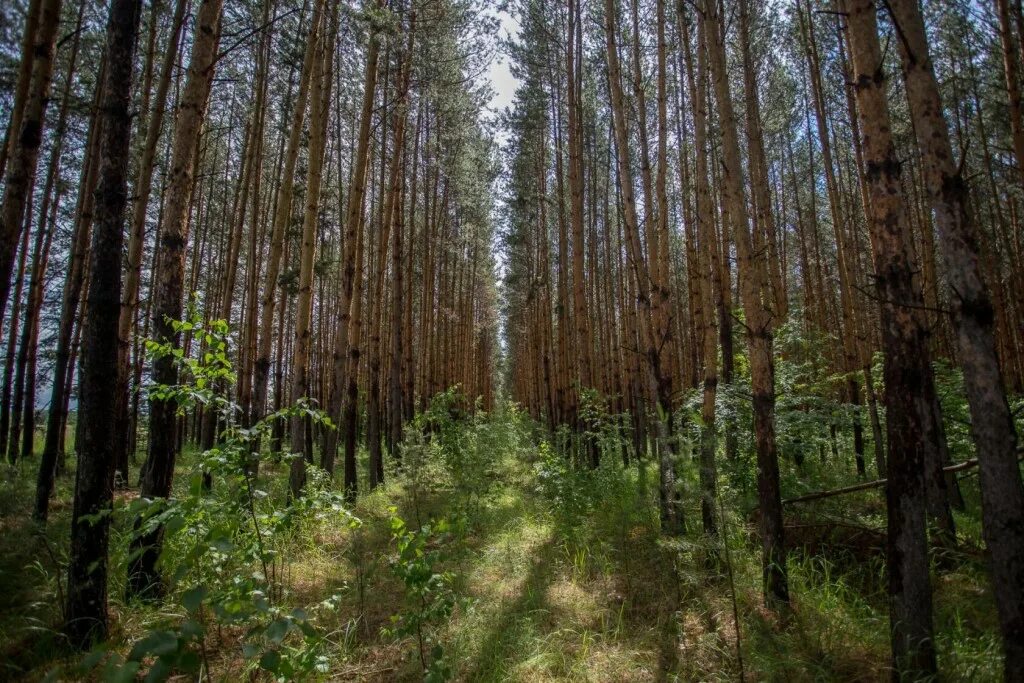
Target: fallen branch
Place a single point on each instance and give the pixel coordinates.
(863, 486)
(832, 524)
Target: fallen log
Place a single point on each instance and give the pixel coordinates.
(863, 486)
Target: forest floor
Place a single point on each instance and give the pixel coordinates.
(557, 573)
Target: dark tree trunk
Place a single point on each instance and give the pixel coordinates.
(90, 526)
(1002, 495)
(25, 154)
(12, 347)
(53, 442)
(907, 364)
(158, 470)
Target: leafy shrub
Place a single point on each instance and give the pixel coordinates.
(429, 599)
(226, 537)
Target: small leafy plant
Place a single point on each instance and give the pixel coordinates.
(429, 597)
(227, 537)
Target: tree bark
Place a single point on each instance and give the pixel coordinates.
(353, 216)
(158, 470)
(655, 383)
(319, 116)
(992, 427)
(907, 360)
(754, 295)
(21, 170)
(707, 249)
(282, 215)
(136, 238)
(86, 610)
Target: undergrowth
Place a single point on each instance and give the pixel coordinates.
(494, 552)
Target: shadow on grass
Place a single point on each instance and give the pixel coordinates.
(524, 617)
(30, 590)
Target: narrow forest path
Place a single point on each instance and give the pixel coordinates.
(554, 580)
(561, 574)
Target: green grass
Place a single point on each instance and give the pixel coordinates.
(550, 589)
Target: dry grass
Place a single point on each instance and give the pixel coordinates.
(543, 597)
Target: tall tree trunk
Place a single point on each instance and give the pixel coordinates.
(257, 232)
(51, 199)
(581, 314)
(136, 238)
(1011, 71)
(30, 333)
(848, 332)
(158, 470)
(754, 294)
(28, 36)
(391, 222)
(764, 218)
(86, 610)
(707, 250)
(655, 384)
(992, 426)
(24, 155)
(53, 444)
(282, 215)
(353, 217)
(7, 399)
(906, 360)
(319, 117)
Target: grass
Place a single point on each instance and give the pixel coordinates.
(551, 588)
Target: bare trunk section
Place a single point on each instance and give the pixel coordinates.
(991, 422)
(707, 248)
(282, 214)
(158, 470)
(86, 609)
(319, 116)
(754, 294)
(136, 238)
(655, 385)
(353, 217)
(24, 155)
(907, 367)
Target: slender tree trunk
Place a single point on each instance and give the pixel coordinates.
(136, 238)
(390, 221)
(656, 385)
(906, 360)
(754, 295)
(24, 155)
(48, 219)
(257, 233)
(158, 470)
(991, 422)
(319, 117)
(52, 193)
(86, 610)
(707, 249)
(12, 346)
(1011, 71)
(848, 332)
(282, 215)
(581, 314)
(28, 37)
(53, 446)
(353, 217)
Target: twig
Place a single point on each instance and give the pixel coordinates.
(60, 571)
(732, 587)
(833, 524)
(225, 52)
(902, 304)
(365, 672)
(877, 483)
